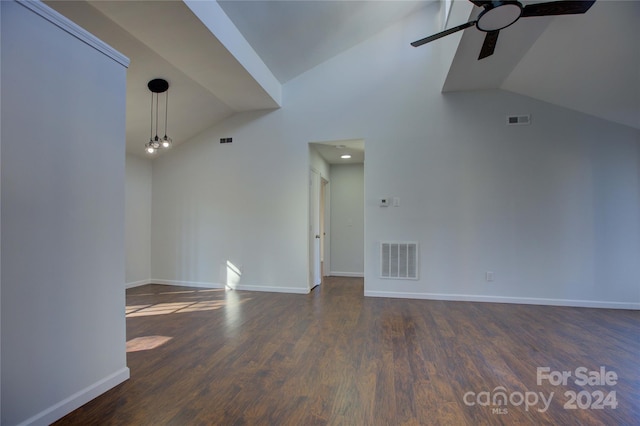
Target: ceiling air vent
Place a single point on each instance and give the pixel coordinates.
(518, 120)
(226, 140)
(399, 260)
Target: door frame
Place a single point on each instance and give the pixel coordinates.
(315, 274)
(325, 239)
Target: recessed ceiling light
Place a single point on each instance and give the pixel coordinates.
(345, 156)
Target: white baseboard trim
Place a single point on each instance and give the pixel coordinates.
(270, 289)
(198, 284)
(502, 299)
(78, 399)
(137, 283)
(346, 274)
(241, 287)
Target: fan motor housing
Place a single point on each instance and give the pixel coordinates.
(498, 15)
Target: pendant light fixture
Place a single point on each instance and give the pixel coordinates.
(157, 86)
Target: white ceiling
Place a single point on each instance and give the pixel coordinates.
(590, 63)
(292, 37)
(332, 151)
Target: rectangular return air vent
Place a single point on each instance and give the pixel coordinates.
(399, 260)
(518, 120)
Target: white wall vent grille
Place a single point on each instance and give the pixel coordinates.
(518, 120)
(399, 260)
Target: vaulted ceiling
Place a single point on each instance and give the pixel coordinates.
(225, 57)
(589, 63)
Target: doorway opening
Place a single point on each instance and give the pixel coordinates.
(339, 244)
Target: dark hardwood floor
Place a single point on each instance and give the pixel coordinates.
(215, 357)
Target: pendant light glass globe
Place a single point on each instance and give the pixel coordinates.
(166, 141)
(148, 147)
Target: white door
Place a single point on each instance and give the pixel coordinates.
(315, 273)
(324, 226)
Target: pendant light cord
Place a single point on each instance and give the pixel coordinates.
(166, 111)
(157, 116)
(151, 129)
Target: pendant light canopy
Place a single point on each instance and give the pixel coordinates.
(155, 143)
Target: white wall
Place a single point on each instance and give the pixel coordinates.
(245, 203)
(551, 208)
(63, 323)
(319, 164)
(347, 219)
(138, 220)
(0, 235)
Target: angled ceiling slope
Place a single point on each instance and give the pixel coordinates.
(292, 37)
(589, 63)
(209, 80)
(231, 56)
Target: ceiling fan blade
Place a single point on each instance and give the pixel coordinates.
(480, 3)
(489, 44)
(442, 34)
(557, 8)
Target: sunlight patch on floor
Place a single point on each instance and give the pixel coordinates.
(146, 343)
(175, 307)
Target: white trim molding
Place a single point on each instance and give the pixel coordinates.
(70, 27)
(240, 287)
(272, 289)
(198, 284)
(502, 299)
(137, 283)
(346, 274)
(78, 399)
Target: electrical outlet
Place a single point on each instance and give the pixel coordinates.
(488, 276)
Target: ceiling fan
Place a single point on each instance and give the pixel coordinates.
(497, 15)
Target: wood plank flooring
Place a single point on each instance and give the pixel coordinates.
(334, 357)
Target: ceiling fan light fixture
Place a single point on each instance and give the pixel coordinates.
(500, 16)
(497, 15)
